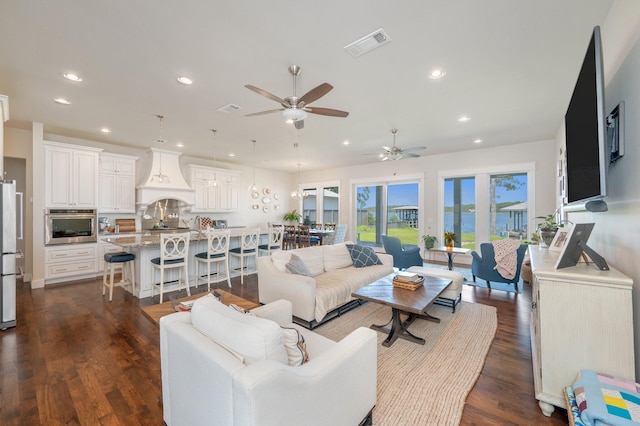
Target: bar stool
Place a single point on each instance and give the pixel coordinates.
(274, 241)
(218, 253)
(248, 248)
(113, 261)
(174, 253)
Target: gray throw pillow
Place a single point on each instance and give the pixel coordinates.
(363, 256)
(297, 266)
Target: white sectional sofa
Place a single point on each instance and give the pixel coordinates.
(328, 289)
(222, 367)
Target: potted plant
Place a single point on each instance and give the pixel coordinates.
(293, 217)
(449, 239)
(548, 228)
(429, 241)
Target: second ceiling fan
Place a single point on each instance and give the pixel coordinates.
(296, 108)
(396, 153)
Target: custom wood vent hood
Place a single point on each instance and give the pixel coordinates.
(164, 180)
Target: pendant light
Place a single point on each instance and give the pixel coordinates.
(160, 177)
(253, 188)
(214, 181)
(299, 194)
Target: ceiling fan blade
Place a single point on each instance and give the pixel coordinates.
(266, 94)
(299, 124)
(264, 112)
(326, 111)
(409, 155)
(415, 148)
(386, 148)
(315, 93)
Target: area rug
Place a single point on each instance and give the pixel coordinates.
(425, 385)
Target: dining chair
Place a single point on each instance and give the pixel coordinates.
(248, 248)
(174, 254)
(217, 253)
(303, 238)
(340, 233)
(289, 241)
(274, 240)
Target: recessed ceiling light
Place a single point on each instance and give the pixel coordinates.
(436, 74)
(232, 154)
(185, 80)
(478, 141)
(105, 130)
(62, 101)
(464, 118)
(346, 142)
(180, 145)
(72, 77)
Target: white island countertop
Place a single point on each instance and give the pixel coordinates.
(152, 238)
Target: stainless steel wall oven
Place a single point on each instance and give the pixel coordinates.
(70, 226)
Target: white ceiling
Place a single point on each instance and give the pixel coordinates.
(510, 65)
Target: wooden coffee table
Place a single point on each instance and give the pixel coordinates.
(412, 302)
(155, 312)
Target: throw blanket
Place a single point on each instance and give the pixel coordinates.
(506, 256)
(604, 399)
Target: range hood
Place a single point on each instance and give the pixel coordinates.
(164, 180)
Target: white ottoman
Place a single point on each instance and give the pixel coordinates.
(451, 295)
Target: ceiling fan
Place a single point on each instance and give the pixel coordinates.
(397, 153)
(295, 108)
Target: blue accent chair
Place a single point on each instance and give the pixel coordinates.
(404, 256)
(482, 266)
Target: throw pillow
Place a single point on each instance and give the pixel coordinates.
(297, 266)
(295, 346)
(363, 256)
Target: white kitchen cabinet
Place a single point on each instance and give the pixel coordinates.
(581, 318)
(71, 176)
(117, 185)
(65, 262)
(213, 199)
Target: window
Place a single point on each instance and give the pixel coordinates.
(389, 209)
(460, 210)
(508, 206)
(323, 198)
(484, 205)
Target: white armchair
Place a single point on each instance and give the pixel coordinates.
(205, 383)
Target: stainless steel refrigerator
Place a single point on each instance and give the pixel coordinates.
(8, 255)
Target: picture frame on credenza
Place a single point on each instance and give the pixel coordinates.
(560, 239)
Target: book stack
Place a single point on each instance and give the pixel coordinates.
(408, 280)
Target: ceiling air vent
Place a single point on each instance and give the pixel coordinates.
(229, 108)
(367, 43)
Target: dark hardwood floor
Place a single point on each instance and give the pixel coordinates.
(76, 359)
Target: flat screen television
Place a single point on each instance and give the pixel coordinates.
(587, 157)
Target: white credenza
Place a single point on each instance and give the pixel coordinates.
(581, 318)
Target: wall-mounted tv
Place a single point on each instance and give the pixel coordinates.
(587, 157)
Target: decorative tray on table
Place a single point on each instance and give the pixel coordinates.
(408, 280)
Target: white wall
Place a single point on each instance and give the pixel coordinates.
(616, 235)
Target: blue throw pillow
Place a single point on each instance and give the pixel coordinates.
(297, 266)
(362, 256)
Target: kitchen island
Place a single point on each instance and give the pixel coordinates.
(146, 246)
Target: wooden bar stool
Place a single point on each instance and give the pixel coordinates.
(113, 261)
